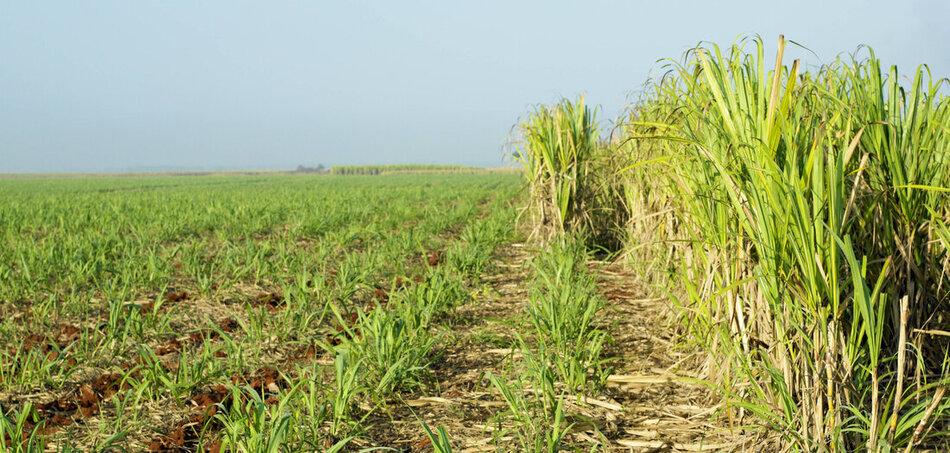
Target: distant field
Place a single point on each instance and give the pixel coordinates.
(415, 168)
(337, 170)
(142, 174)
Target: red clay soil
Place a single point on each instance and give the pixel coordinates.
(402, 283)
(51, 345)
(271, 301)
(170, 297)
(381, 296)
(83, 403)
(173, 296)
(267, 382)
(185, 435)
(422, 444)
(173, 345)
(227, 325)
(307, 352)
(330, 279)
(436, 258)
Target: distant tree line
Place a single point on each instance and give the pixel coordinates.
(400, 168)
(318, 169)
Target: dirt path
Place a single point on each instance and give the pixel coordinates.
(647, 407)
(663, 409)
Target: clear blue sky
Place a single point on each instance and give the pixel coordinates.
(119, 85)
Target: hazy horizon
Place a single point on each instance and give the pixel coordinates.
(118, 86)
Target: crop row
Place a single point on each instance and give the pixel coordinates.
(798, 220)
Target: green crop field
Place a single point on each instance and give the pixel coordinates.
(131, 306)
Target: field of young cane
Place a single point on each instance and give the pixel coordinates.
(221, 313)
(758, 259)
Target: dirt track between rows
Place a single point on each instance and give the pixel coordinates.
(650, 403)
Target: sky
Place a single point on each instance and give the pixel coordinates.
(110, 86)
